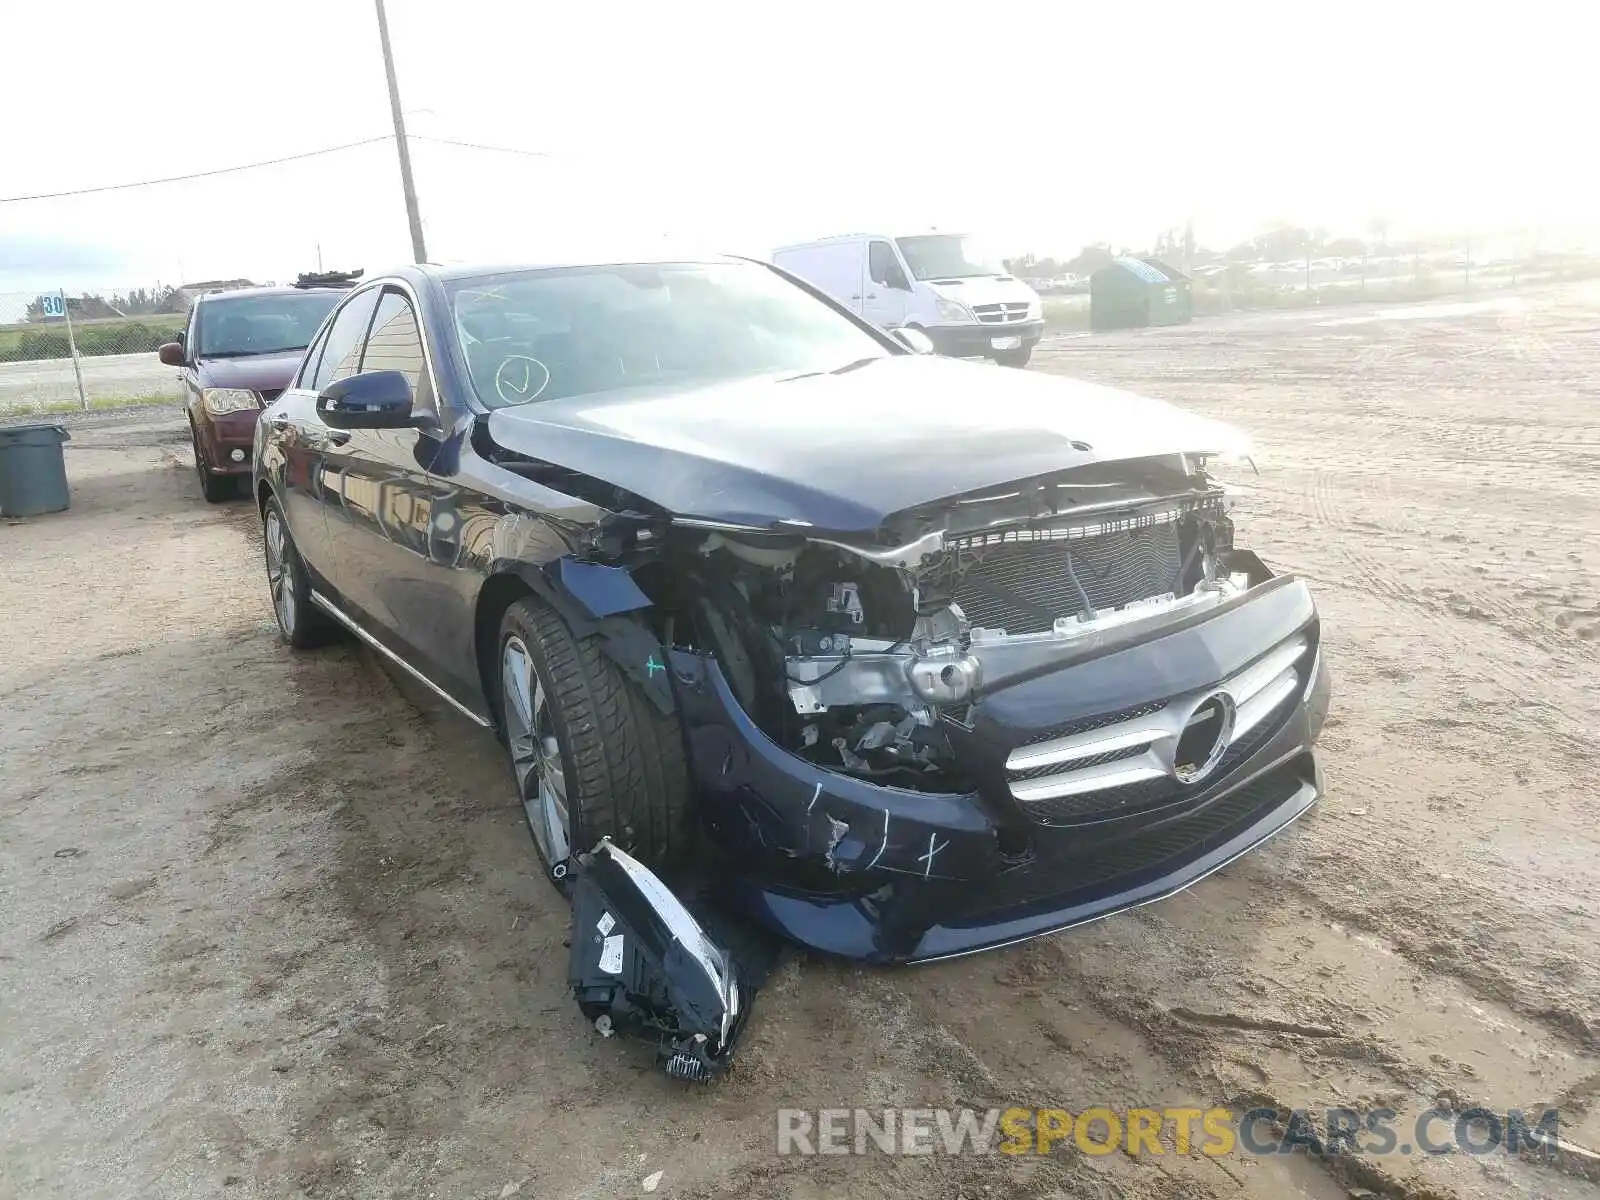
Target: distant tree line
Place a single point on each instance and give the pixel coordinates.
(1279, 242)
(140, 302)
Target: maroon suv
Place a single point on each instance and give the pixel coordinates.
(239, 351)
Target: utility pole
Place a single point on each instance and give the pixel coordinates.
(418, 251)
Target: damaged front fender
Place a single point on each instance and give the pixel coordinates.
(596, 600)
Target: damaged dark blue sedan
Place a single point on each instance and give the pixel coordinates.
(904, 657)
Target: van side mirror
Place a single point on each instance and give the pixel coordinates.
(170, 354)
(371, 400)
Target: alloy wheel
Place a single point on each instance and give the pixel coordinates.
(536, 756)
(280, 571)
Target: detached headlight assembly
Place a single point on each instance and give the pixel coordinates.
(953, 311)
(227, 400)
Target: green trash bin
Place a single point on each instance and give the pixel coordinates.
(33, 472)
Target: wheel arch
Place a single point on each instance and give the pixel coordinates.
(498, 593)
(593, 600)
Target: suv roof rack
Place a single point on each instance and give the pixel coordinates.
(311, 279)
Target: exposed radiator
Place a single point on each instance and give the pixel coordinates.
(1023, 587)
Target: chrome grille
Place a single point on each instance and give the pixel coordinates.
(1001, 314)
(1133, 798)
(1099, 721)
(1023, 587)
(1096, 771)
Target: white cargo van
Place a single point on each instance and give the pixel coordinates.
(936, 282)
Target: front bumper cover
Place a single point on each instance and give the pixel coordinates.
(976, 340)
(847, 867)
(220, 435)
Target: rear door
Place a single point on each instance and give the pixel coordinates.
(307, 441)
(888, 289)
(385, 520)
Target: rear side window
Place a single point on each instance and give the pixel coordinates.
(395, 344)
(341, 348)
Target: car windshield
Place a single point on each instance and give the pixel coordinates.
(946, 256)
(547, 334)
(232, 327)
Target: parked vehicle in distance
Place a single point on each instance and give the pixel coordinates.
(940, 283)
(899, 655)
(236, 354)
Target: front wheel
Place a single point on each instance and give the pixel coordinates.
(590, 754)
(215, 488)
(1014, 358)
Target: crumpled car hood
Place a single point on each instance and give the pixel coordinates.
(841, 452)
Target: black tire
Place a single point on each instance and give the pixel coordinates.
(215, 488)
(300, 622)
(1014, 358)
(622, 761)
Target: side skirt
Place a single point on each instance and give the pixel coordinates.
(333, 610)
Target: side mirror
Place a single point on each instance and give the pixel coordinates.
(170, 353)
(913, 339)
(371, 400)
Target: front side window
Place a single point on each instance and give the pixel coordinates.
(395, 344)
(308, 364)
(237, 326)
(341, 348)
(531, 336)
(884, 268)
(947, 256)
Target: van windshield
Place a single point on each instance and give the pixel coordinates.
(946, 256)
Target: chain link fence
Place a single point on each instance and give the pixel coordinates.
(76, 348)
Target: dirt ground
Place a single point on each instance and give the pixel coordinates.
(270, 927)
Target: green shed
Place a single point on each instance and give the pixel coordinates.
(1134, 292)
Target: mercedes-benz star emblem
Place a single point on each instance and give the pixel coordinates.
(1204, 739)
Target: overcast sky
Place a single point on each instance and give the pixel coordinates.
(743, 125)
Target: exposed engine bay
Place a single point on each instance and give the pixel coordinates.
(858, 657)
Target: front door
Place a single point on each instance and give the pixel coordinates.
(308, 441)
(385, 513)
(888, 289)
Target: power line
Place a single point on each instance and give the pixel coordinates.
(270, 162)
(419, 137)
